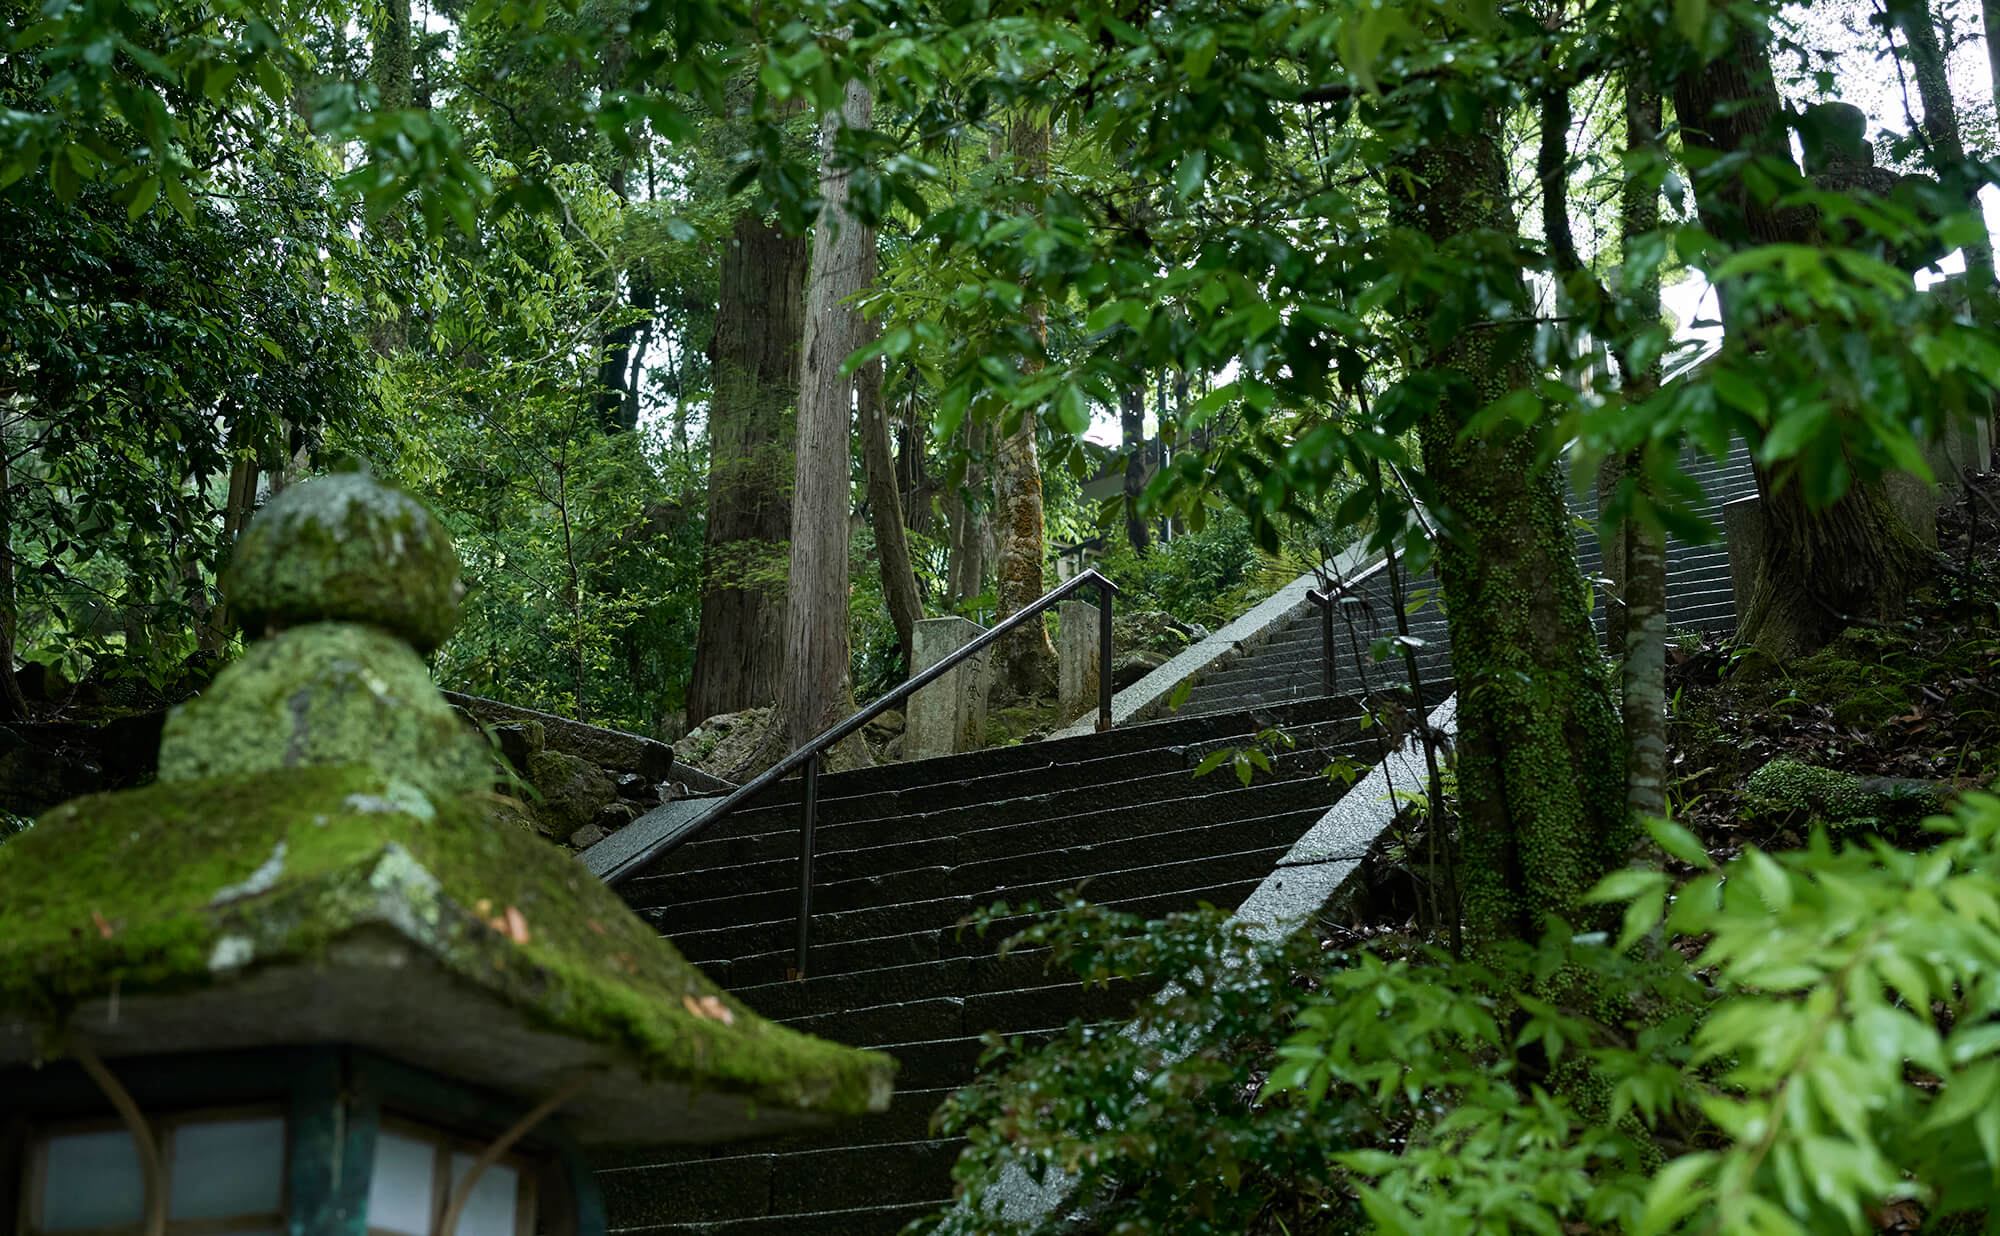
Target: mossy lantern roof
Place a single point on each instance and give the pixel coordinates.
(314, 897)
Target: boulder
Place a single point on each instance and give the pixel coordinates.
(573, 791)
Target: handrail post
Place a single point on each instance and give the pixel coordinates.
(1104, 594)
(808, 821)
(1326, 672)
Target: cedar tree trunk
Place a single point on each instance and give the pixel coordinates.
(1820, 570)
(1132, 431)
(816, 690)
(759, 318)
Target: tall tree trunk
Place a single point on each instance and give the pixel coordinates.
(392, 70)
(1132, 435)
(885, 510)
(1027, 660)
(817, 690)
(1820, 570)
(1540, 757)
(759, 319)
(1643, 633)
(1940, 122)
(13, 704)
(1989, 12)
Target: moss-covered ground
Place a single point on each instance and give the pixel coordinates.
(1908, 712)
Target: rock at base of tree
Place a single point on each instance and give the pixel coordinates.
(1130, 667)
(886, 726)
(585, 837)
(720, 745)
(573, 791)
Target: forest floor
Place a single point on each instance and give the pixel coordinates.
(1899, 716)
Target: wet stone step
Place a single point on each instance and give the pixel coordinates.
(783, 1184)
(866, 1221)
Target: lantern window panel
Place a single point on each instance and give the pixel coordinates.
(415, 1169)
(224, 1175)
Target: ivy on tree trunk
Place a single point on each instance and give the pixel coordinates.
(1540, 757)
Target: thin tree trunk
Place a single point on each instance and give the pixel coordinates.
(1540, 753)
(1940, 123)
(391, 69)
(913, 479)
(1132, 433)
(1643, 634)
(1027, 660)
(13, 704)
(885, 510)
(817, 690)
(236, 512)
(1989, 11)
(1820, 570)
(759, 319)
(966, 570)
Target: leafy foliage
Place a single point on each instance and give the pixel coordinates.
(1790, 1043)
(142, 356)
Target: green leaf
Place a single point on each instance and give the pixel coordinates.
(1679, 842)
(178, 196)
(1200, 52)
(1188, 176)
(1677, 1189)
(274, 83)
(1072, 412)
(1212, 761)
(144, 193)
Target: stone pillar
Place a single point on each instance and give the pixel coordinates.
(1744, 527)
(948, 716)
(1076, 659)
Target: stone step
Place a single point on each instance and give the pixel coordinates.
(943, 914)
(1166, 789)
(774, 961)
(864, 1221)
(791, 1184)
(1123, 740)
(769, 890)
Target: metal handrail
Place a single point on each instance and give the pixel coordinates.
(808, 756)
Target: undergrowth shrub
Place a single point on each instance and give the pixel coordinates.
(1794, 1043)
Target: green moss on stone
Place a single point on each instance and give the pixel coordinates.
(185, 885)
(347, 548)
(328, 693)
(1788, 787)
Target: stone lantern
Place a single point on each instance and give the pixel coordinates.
(306, 983)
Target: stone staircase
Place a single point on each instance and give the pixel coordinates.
(906, 851)
(1290, 666)
(1699, 595)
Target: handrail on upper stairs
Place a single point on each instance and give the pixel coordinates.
(809, 755)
